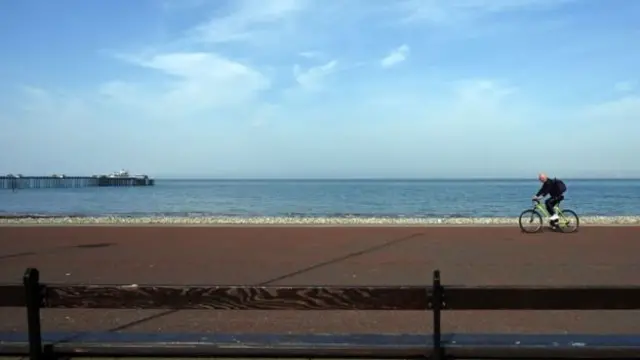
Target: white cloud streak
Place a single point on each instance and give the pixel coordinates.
(247, 19)
(448, 12)
(396, 56)
(313, 77)
(194, 82)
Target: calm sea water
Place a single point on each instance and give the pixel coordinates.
(390, 198)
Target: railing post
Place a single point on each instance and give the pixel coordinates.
(33, 298)
(437, 298)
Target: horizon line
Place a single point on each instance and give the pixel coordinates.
(364, 178)
(376, 178)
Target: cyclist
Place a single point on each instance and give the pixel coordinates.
(555, 188)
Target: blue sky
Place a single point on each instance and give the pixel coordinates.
(319, 88)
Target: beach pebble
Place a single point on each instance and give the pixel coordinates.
(268, 220)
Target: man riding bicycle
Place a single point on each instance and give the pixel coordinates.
(555, 188)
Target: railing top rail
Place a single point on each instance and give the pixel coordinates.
(326, 297)
(436, 297)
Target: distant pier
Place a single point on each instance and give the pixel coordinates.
(15, 182)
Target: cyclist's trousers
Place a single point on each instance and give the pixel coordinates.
(552, 202)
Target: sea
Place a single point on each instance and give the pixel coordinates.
(321, 198)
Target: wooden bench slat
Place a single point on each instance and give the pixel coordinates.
(12, 296)
(328, 297)
(237, 297)
(320, 339)
(542, 298)
(341, 298)
(317, 345)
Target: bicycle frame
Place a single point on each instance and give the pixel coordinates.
(543, 209)
(540, 210)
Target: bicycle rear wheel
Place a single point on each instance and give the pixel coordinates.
(530, 221)
(569, 221)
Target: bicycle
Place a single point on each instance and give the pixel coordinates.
(568, 220)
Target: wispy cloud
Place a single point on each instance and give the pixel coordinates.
(312, 78)
(482, 91)
(449, 12)
(625, 110)
(192, 82)
(395, 57)
(247, 19)
(310, 54)
(625, 86)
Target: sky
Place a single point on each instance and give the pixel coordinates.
(321, 88)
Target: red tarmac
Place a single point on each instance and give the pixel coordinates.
(322, 255)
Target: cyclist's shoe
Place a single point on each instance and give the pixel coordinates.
(553, 224)
(554, 217)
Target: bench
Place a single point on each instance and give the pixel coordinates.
(435, 298)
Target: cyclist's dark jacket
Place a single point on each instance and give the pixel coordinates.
(553, 187)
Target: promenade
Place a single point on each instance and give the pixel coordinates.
(322, 255)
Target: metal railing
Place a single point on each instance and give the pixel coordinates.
(434, 298)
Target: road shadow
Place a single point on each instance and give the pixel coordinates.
(57, 249)
(316, 266)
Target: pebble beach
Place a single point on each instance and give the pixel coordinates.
(295, 221)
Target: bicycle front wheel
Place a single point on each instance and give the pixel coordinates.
(569, 221)
(530, 221)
